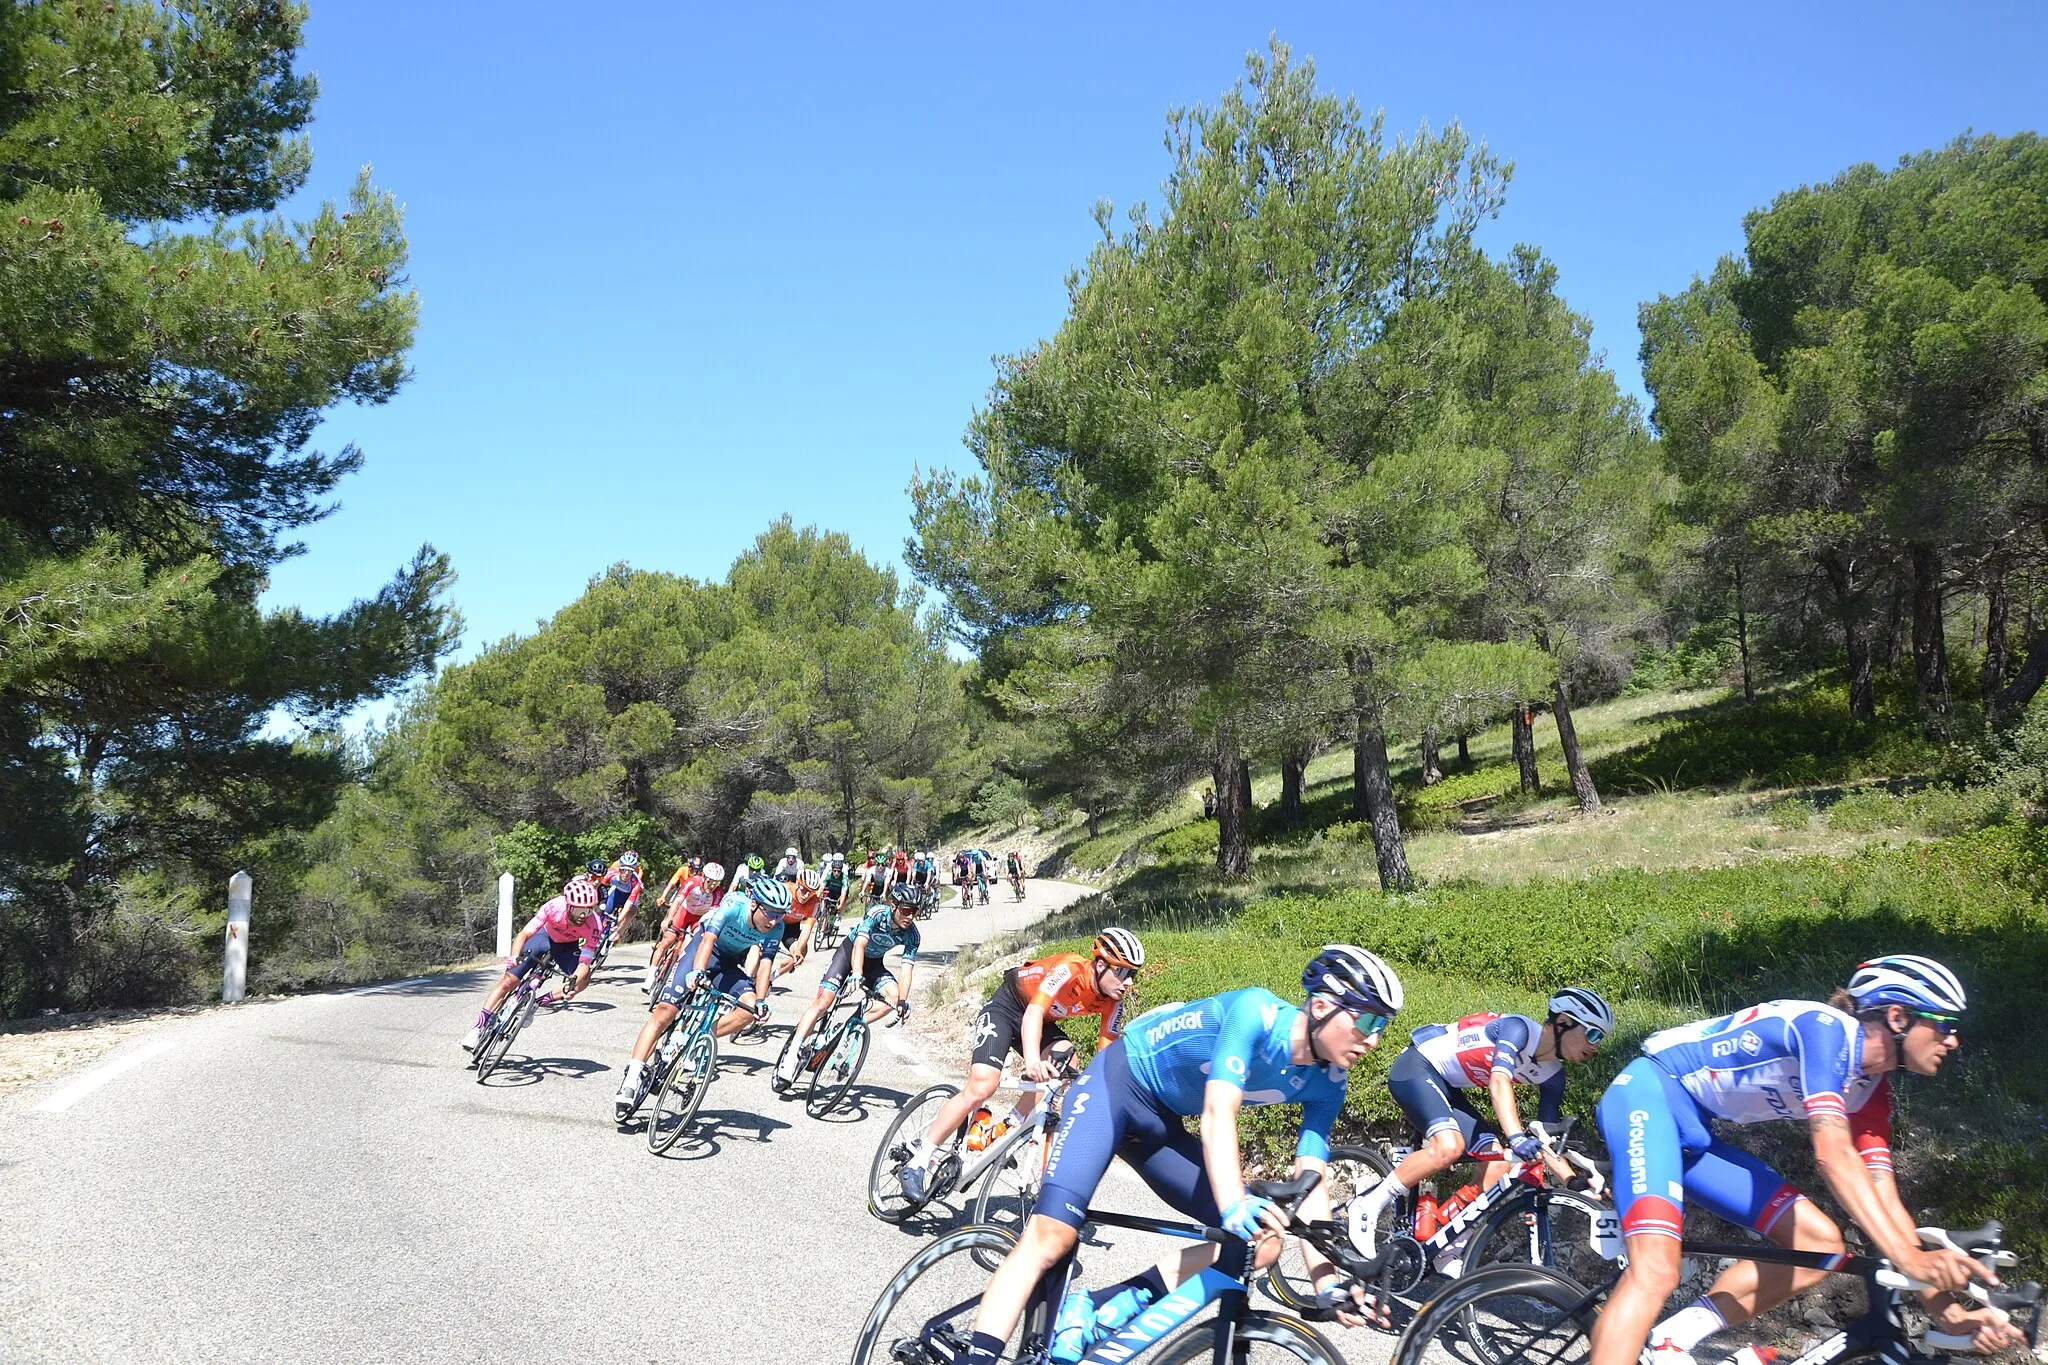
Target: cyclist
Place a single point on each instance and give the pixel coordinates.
(899, 866)
(799, 923)
(621, 890)
(792, 863)
(1205, 1058)
(977, 869)
(1494, 1051)
(564, 931)
(924, 878)
(862, 953)
(693, 869)
(1013, 863)
(698, 897)
(875, 879)
(836, 879)
(1831, 1063)
(729, 952)
(960, 873)
(1016, 1018)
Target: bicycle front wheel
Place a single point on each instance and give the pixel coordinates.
(835, 1074)
(682, 1090)
(1526, 1315)
(491, 1049)
(1261, 1337)
(925, 1316)
(886, 1199)
(1352, 1171)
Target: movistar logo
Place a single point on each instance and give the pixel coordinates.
(1166, 1028)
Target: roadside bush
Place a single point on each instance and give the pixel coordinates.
(1002, 803)
(1686, 666)
(1936, 810)
(1192, 842)
(1442, 806)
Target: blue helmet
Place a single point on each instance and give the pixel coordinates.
(770, 894)
(1918, 983)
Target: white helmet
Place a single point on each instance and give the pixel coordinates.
(1584, 1005)
(1918, 983)
(714, 872)
(790, 852)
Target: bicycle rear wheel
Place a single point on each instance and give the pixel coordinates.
(1261, 1338)
(1353, 1170)
(682, 1090)
(1009, 1187)
(834, 1075)
(1527, 1315)
(491, 1049)
(886, 1199)
(925, 1315)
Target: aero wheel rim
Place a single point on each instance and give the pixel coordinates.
(931, 1302)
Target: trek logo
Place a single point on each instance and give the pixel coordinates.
(1166, 1028)
(1638, 1157)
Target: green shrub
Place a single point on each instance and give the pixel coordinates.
(1002, 803)
(1936, 810)
(1193, 842)
(1689, 665)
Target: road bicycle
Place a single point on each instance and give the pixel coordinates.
(826, 936)
(835, 1048)
(1017, 885)
(685, 1063)
(1536, 1315)
(927, 902)
(514, 1013)
(1008, 1168)
(925, 1315)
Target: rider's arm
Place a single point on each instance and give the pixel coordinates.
(703, 959)
(1032, 1032)
(860, 954)
(1220, 1157)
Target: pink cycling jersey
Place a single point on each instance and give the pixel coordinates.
(553, 920)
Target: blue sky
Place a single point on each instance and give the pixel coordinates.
(684, 269)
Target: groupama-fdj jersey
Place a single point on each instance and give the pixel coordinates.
(1787, 1059)
(1132, 1098)
(621, 889)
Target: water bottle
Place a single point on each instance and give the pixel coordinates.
(1425, 1211)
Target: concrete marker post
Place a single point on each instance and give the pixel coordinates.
(234, 975)
(505, 915)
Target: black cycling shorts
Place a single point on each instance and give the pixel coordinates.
(999, 1028)
(1433, 1107)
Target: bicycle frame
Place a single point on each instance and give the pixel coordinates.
(1042, 1117)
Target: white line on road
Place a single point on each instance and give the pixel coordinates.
(94, 1079)
(908, 1054)
(388, 986)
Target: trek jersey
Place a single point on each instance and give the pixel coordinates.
(1467, 1053)
(1241, 1038)
(882, 934)
(732, 928)
(553, 920)
(1064, 985)
(1785, 1059)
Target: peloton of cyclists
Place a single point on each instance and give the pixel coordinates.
(1022, 1017)
(564, 931)
(1830, 1063)
(861, 953)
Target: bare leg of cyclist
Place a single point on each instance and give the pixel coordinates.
(1623, 1326)
(735, 1019)
(1746, 1288)
(982, 1083)
(806, 1021)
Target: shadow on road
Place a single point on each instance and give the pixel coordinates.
(855, 1106)
(520, 1071)
(711, 1124)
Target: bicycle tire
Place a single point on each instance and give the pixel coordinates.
(1291, 1335)
(886, 1200)
(793, 1041)
(1009, 1183)
(1286, 1280)
(1553, 1311)
(832, 1078)
(952, 1268)
(491, 1050)
(682, 1091)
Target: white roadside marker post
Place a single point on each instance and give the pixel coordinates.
(234, 976)
(505, 915)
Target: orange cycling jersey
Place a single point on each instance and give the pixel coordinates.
(1064, 984)
(802, 903)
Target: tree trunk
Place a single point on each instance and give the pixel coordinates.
(1244, 792)
(1233, 843)
(1894, 637)
(1742, 638)
(1376, 785)
(1862, 689)
(1432, 758)
(1568, 740)
(1996, 607)
(1930, 644)
(1524, 724)
(1095, 824)
(1293, 763)
(1464, 750)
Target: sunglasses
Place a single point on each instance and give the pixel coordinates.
(1124, 973)
(1371, 1025)
(1944, 1024)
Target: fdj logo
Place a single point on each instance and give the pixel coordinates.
(1748, 1043)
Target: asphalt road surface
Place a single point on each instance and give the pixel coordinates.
(321, 1179)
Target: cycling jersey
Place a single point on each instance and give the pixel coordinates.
(1781, 1060)
(1016, 866)
(835, 878)
(1242, 1038)
(1468, 1053)
(553, 920)
(732, 929)
(923, 874)
(620, 889)
(876, 875)
(803, 901)
(880, 930)
(697, 898)
(1064, 986)
(789, 867)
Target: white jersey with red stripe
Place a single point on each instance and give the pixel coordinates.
(1467, 1053)
(1784, 1059)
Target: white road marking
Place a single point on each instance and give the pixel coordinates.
(908, 1054)
(388, 986)
(99, 1076)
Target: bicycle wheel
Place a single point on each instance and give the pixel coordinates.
(491, 1049)
(1009, 1186)
(682, 1090)
(1554, 1230)
(834, 1076)
(1353, 1170)
(1526, 1314)
(886, 1199)
(925, 1315)
(1261, 1337)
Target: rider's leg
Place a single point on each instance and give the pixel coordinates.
(982, 1083)
(1432, 1111)
(1044, 1243)
(1624, 1323)
(507, 983)
(1646, 1115)
(658, 1020)
(1742, 1189)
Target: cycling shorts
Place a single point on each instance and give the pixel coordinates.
(1432, 1107)
(999, 1028)
(1663, 1151)
(841, 967)
(1107, 1114)
(792, 930)
(725, 974)
(567, 955)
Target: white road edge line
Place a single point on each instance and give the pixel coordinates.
(388, 986)
(99, 1076)
(908, 1054)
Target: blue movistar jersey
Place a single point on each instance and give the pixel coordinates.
(1243, 1039)
(879, 929)
(732, 928)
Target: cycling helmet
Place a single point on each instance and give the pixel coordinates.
(1119, 948)
(1355, 979)
(809, 879)
(1918, 983)
(754, 862)
(1584, 1005)
(580, 893)
(629, 859)
(714, 872)
(696, 863)
(904, 897)
(835, 857)
(595, 867)
(769, 894)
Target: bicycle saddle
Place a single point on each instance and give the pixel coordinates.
(1287, 1192)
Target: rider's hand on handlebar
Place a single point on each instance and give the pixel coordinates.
(1945, 1268)
(1041, 1070)
(1988, 1329)
(1344, 1299)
